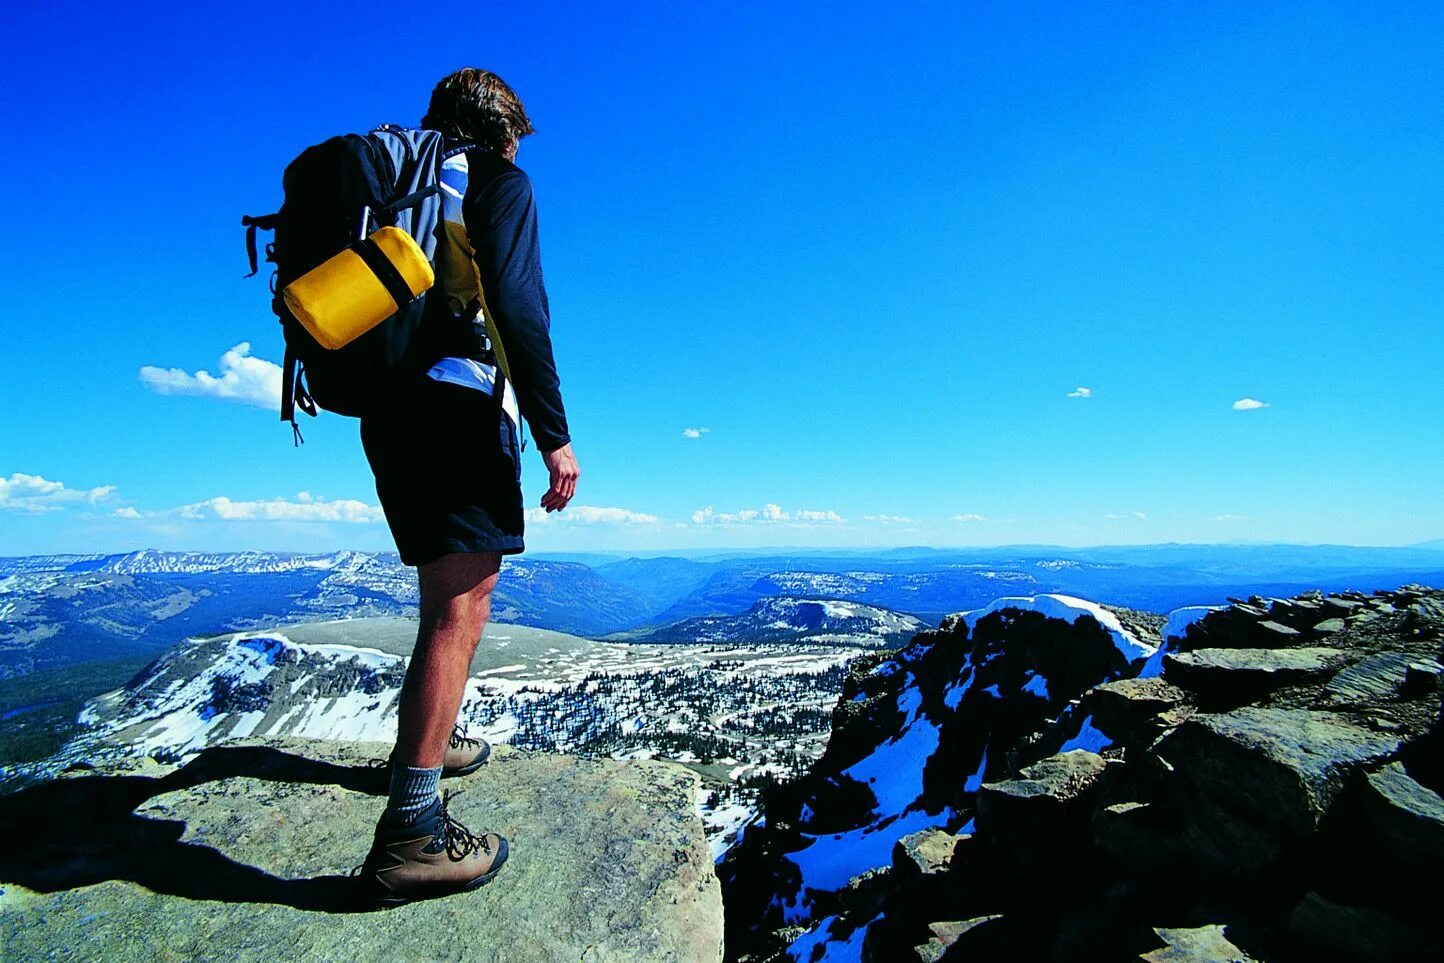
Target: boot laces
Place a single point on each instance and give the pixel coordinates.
(459, 738)
(460, 841)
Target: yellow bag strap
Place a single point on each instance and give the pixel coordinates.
(494, 336)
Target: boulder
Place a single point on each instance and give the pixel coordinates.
(1201, 944)
(1187, 833)
(923, 855)
(1355, 932)
(1123, 830)
(1371, 681)
(1334, 605)
(1403, 818)
(1247, 673)
(1420, 679)
(1277, 632)
(1284, 767)
(958, 939)
(1042, 795)
(1128, 709)
(245, 853)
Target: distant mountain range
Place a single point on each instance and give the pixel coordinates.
(780, 619)
(60, 610)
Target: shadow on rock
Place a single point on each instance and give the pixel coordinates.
(84, 830)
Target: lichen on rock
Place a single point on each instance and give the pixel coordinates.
(245, 852)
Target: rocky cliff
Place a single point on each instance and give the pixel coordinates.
(1042, 780)
(244, 853)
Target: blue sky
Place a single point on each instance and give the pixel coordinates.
(871, 255)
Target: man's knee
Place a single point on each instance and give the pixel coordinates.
(457, 588)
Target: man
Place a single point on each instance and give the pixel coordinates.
(447, 462)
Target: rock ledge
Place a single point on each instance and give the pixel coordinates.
(244, 853)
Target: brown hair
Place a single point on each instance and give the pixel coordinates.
(478, 106)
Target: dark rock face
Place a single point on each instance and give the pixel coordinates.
(1273, 794)
(1284, 767)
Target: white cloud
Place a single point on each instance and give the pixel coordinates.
(812, 516)
(34, 494)
(244, 379)
(1229, 517)
(305, 507)
(694, 432)
(1126, 516)
(1081, 392)
(592, 515)
(888, 519)
(127, 512)
(968, 517)
(1249, 404)
(769, 513)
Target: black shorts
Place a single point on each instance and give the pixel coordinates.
(448, 472)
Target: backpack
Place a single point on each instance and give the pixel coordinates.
(336, 192)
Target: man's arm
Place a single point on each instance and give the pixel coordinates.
(508, 256)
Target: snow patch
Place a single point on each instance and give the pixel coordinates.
(1069, 609)
(1089, 737)
(1037, 685)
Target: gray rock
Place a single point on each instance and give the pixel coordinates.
(955, 939)
(1192, 832)
(1335, 605)
(1277, 630)
(1404, 818)
(1245, 671)
(1373, 680)
(1135, 698)
(245, 860)
(1203, 944)
(1040, 795)
(923, 855)
(1284, 767)
(1420, 678)
(1330, 626)
(1130, 711)
(1352, 932)
(1118, 827)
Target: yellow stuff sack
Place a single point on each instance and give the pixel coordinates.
(351, 292)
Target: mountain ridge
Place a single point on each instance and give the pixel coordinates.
(1264, 784)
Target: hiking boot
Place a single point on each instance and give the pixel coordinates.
(434, 856)
(464, 754)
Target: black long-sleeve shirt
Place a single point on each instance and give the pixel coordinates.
(501, 222)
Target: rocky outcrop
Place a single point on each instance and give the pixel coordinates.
(1264, 786)
(245, 853)
(915, 735)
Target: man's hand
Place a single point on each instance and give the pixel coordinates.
(562, 464)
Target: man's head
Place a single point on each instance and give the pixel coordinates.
(478, 106)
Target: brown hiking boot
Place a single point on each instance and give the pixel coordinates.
(464, 754)
(435, 856)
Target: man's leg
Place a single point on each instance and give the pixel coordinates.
(419, 850)
(455, 602)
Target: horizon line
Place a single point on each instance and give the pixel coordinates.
(1426, 545)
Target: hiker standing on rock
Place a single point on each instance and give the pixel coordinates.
(447, 460)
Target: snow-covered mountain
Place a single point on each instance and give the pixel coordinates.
(750, 712)
(149, 561)
(817, 621)
(152, 561)
(203, 692)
